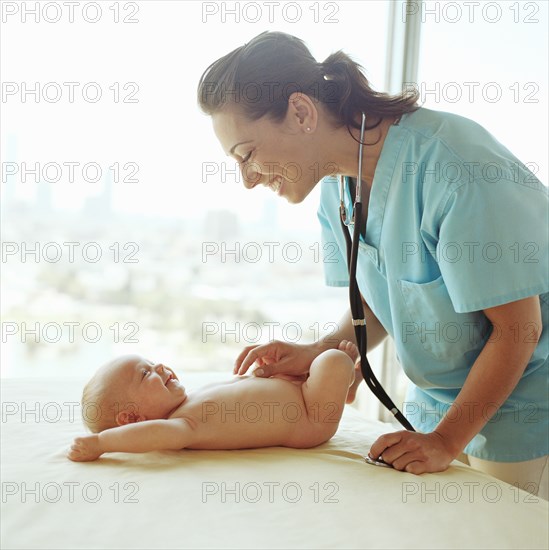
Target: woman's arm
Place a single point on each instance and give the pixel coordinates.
(278, 357)
(496, 371)
(491, 380)
(141, 437)
(376, 333)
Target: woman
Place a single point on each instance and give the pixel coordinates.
(453, 252)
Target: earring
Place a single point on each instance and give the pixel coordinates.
(308, 129)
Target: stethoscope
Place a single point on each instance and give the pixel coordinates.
(357, 311)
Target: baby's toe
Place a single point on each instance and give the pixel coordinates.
(344, 345)
(350, 349)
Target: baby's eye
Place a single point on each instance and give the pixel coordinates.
(248, 157)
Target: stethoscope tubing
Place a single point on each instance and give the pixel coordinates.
(355, 300)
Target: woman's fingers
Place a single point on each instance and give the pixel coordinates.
(383, 442)
(74, 453)
(407, 459)
(253, 355)
(275, 357)
(414, 452)
(241, 357)
(266, 369)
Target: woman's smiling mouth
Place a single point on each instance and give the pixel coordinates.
(276, 185)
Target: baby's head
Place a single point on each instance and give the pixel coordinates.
(130, 389)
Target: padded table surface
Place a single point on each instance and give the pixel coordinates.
(325, 497)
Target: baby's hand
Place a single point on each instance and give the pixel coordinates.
(85, 449)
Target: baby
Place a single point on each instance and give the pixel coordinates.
(133, 405)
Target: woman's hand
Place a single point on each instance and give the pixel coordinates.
(277, 357)
(414, 452)
(85, 449)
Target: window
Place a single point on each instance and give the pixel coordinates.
(123, 228)
(489, 63)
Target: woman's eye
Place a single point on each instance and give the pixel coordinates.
(144, 371)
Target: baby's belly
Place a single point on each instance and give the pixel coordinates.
(297, 380)
(249, 412)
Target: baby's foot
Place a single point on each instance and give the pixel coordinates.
(352, 351)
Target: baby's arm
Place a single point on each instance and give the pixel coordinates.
(150, 435)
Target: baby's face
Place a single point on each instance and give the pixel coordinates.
(153, 387)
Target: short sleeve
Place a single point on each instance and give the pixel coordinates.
(333, 259)
(493, 245)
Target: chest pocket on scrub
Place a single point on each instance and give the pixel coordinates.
(434, 323)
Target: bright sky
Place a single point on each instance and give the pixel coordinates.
(174, 41)
(165, 133)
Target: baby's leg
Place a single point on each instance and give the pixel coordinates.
(325, 391)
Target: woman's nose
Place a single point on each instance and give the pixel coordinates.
(159, 368)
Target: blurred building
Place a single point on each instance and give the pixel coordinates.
(221, 225)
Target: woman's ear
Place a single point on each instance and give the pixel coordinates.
(301, 108)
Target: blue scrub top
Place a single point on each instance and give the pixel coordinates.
(456, 223)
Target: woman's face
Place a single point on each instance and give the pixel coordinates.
(283, 157)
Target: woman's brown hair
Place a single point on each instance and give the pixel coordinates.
(259, 77)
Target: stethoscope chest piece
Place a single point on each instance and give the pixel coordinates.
(376, 462)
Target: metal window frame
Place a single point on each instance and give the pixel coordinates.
(403, 42)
